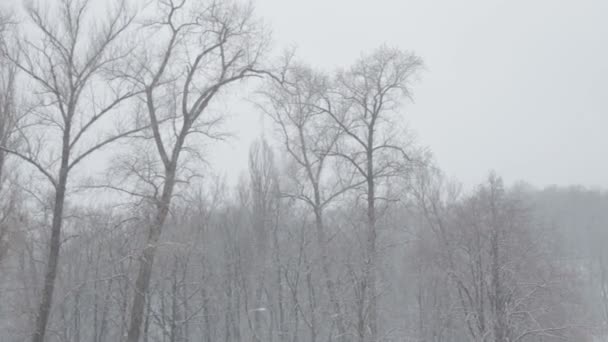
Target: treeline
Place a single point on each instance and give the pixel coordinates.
(343, 229)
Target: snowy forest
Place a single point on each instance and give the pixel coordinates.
(343, 227)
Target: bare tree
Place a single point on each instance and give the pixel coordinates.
(263, 180)
(8, 113)
(497, 269)
(363, 104)
(65, 63)
(309, 138)
(204, 47)
(265, 211)
(348, 234)
(8, 120)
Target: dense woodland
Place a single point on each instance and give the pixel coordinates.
(343, 227)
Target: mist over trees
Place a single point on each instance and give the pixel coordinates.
(342, 228)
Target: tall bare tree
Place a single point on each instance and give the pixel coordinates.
(265, 211)
(67, 63)
(309, 137)
(200, 48)
(364, 104)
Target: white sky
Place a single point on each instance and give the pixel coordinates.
(518, 86)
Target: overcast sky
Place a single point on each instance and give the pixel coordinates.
(518, 86)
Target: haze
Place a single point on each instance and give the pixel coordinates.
(322, 170)
(515, 86)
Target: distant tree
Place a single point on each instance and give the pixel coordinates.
(265, 207)
(8, 112)
(9, 118)
(498, 269)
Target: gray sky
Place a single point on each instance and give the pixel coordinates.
(517, 86)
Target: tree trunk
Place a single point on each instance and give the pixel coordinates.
(333, 297)
(501, 333)
(142, 283)
(50, 276)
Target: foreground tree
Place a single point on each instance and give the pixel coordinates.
(204, 47)
(65, 61)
